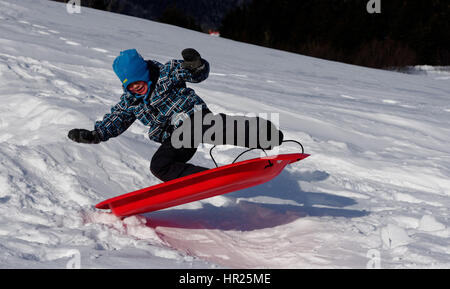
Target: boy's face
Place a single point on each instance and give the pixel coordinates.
(138, 87)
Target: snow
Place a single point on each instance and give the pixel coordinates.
(377, 184)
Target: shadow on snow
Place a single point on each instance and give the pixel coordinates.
(257, 208)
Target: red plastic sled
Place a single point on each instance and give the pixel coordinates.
(206, 184)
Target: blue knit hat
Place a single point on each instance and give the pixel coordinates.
(130, 67)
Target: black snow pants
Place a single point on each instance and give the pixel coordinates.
(169, 163)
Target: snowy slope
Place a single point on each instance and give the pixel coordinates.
(376, 190)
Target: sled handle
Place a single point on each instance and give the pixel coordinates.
(297, 142)
(210, 153)
(248, 151)
(269, 165)
(215, 163)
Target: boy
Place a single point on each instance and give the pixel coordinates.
(157, 95)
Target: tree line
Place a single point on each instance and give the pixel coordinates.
(405, 33)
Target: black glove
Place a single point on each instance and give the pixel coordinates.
(192, 59)
(84, 136)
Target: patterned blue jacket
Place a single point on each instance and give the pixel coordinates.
(169, 98)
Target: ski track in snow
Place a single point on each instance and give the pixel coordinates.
(377, 179)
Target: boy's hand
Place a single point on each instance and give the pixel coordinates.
(84, 136)
(192, 59)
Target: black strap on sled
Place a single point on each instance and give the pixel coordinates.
(270, 163)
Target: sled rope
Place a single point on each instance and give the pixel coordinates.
(210, 153)
(248, 151)
(270, 164)
(297, 142)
